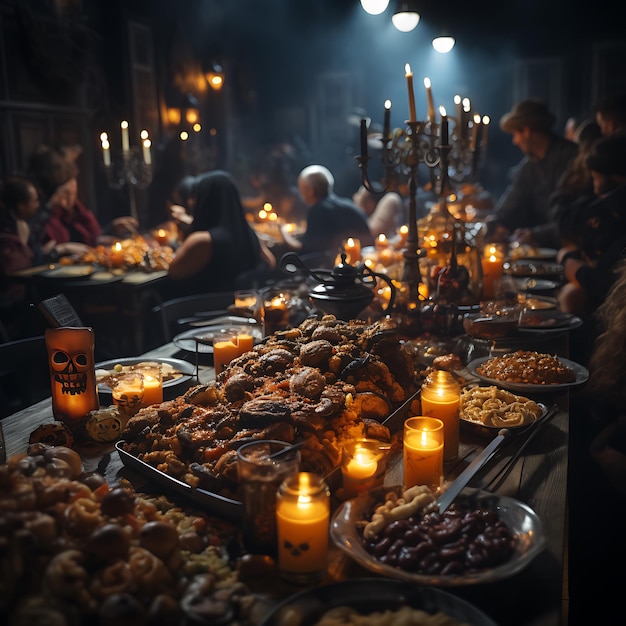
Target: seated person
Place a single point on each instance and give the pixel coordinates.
(220, 246)
(331, 219)
(523, 212)
(385, 214)
(598, 229)
(62, 217)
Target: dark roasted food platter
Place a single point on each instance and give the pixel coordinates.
(320, 384)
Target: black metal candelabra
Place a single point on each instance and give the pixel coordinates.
(403, 152)
(132, 171)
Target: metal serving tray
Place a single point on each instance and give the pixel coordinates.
(211, 502)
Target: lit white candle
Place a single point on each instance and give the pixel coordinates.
(431, 102)
(147, 157)
(409, 83)
(125, 140)
(106, 149)
(486, 122)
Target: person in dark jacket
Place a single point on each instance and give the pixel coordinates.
(220, 246)
(599, 229)
(331, 219)
(523, 213)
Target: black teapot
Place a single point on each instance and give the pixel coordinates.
(343, 291)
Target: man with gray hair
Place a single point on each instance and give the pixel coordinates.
(331, 219)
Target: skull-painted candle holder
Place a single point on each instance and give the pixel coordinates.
(72, 374)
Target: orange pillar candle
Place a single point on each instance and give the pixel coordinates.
(352, 249)
(492, 269)
(152, 385)
(441, 398)
(423, 451)
(227, 346)
(302, 519)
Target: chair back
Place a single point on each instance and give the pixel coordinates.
(24, 374)
(174, 315)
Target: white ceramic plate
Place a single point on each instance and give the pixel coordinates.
(368, 595)
(201, 338)
(184, 367)
(581, 373)
(521, 520)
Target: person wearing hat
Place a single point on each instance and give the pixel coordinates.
(523, 212)
(600, 228)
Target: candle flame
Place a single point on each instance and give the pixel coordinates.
(104, 137)
(466, 105)
(124, 124)
(147, 143)
(268, 206)
(144, 134)
(387, 104)
(105, 144)
(457, 99)
(476, 118)
(493, 258)
(350, 243)
(427, 82)
(442, 110)
(486, 120)
(382, 238)
(424, 438)
(407, 70)
(118, 247)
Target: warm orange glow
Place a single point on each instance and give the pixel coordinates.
(173, 116)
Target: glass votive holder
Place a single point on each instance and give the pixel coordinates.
(423, 451)
(127, 390)
(362, 465)
(275, 312)
(248, 301)
(228, 344)
(260, 475)
(302, 518)
(152, 384)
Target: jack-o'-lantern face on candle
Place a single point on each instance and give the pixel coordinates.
(72, 372)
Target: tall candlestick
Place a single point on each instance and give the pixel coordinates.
(363, 138)
(409, 83)
(106, 149)
(458, 113)
(125, 139)
(444, 126)
(475, 128)
(387, 120)
(486, 121)
(431, 103)
(467, 107)
(147, 157)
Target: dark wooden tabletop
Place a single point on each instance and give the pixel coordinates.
(533, 597)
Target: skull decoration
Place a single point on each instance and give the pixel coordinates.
(72, 372)
(105, 424)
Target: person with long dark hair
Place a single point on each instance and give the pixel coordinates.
(220, 248)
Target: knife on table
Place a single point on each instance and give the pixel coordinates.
(467, 474)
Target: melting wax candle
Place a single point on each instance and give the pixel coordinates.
(423, 451)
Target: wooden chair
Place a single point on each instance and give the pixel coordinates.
(24, 374)
(175, 315)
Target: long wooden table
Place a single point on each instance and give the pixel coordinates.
(533, 597)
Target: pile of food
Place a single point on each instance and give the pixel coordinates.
(74, 550)
(407, 531)
(347, 616)
(527, 367)
(324, 383)
(498, 408)
(133, 253)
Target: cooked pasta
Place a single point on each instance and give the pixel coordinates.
(491, 406)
